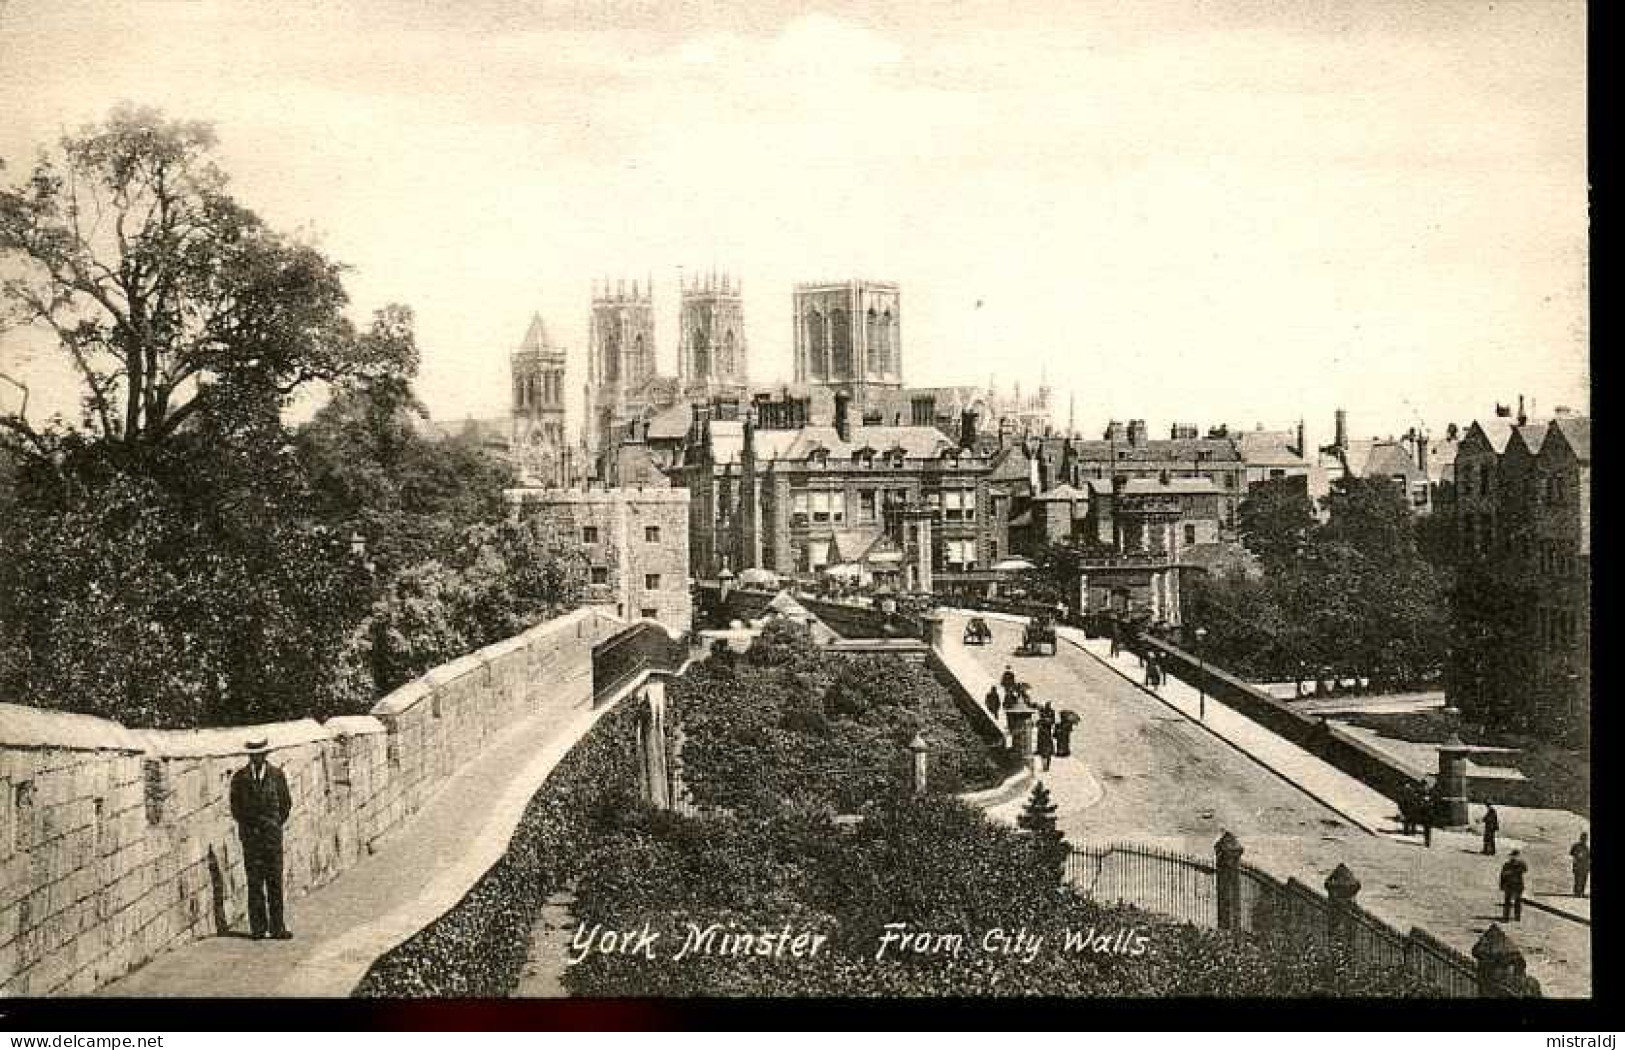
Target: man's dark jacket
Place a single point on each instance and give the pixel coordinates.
(260, 805)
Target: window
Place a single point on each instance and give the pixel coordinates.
(1484, 479)
(1277, 474)
(600, 574)
(866, 505)
(589, 534)
(1229, 481)
(818, 554)
(820, 506)
(1419, 494)
(1190, 534)
(651, 533)
(651, 581)
(798, 505)
(959, 505)
(649, 613)
(960, 552)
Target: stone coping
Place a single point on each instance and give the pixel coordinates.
(214, 743)
(22, 726)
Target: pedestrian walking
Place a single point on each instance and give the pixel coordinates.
(993, 701)
(1409, 801)
(1046, 742)
(1512, 873)
(1117, 639)
(1492, 824)
(1046, 715)
(259, 804)
(1008, 681)
(1580, 853)
(1063, 738)
(1153, 672)
(1428, 805)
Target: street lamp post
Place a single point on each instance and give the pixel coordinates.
(1201, 676)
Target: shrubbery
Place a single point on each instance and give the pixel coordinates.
(787, 722)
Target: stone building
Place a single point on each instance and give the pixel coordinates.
(1521, 507)
(712, 355)
(537, 441)
(1415, 463)
(903, 506)
(636, 542)
(623, 383)
(848, 337)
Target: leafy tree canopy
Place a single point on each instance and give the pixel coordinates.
(171, 299)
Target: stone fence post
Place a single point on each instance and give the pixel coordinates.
(1501, 967)
(1227, 876)
(1341, 889)
(917, 747)
(1453, 812)
(1019, 716)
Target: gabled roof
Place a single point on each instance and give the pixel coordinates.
(854, 544)
(1062, 493)
(1576, 431)
(1269, 448)
(670, 424)
(727, 440)
(1388, 459)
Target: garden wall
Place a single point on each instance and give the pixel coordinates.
(118, 844)
(1353, 756)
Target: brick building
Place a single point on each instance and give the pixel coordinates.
(636, 541)
(1522, 621)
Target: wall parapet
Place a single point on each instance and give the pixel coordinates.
(117, 844)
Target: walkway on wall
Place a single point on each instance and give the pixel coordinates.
(417, 873)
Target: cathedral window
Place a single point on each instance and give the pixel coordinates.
(840, 353)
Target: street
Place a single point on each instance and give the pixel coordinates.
(1169, 782)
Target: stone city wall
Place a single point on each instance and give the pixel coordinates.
(118, 844)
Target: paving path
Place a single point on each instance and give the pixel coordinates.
(418, 872)
(1172, 781)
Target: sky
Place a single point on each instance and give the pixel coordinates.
(1242, 212)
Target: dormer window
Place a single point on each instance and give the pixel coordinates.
(896, 456)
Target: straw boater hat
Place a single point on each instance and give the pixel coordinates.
(256, 747)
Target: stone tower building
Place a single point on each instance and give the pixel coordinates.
(848, 337)
(620, 359)
(713, 358)
(537, 434)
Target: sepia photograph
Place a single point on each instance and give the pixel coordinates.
(477, 526)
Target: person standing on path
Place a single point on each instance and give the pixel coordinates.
(1426, 805)
(993, 701)
(1492, 824)
(1046, 742)
(1008, 681)
(1117, 639)
(260, 804)
(1580, 852)
(1063, 738)
(1512, 873)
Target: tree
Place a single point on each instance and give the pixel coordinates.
(375, 473)
(1275, 520)
(1048, 841)
(170, 298)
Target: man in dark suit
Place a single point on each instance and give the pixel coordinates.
(260, 805)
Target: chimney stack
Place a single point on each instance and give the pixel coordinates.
(1340, 433)
(1136, 432)
(1422, 453)
(1303, 449)
(1522, 417)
